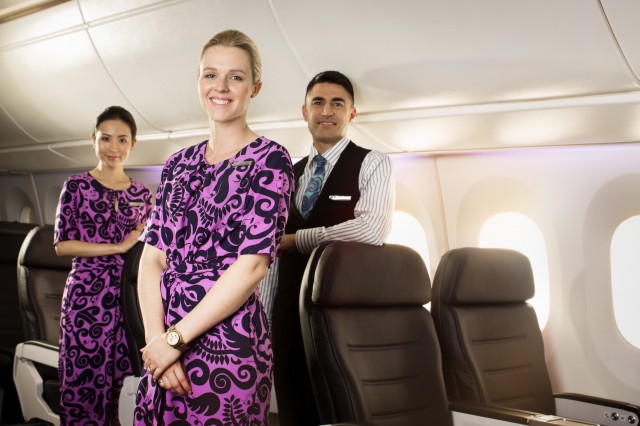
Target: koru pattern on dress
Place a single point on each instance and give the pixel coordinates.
(94, 357)
(206, 216)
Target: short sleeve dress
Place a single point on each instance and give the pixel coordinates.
(93, 349)
(206, 216)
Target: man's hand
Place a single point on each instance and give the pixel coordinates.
(287, 245)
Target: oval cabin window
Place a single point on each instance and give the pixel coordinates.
(407, 231)
(625, 273)
(517, 232)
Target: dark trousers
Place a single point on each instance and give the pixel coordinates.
(296, 403)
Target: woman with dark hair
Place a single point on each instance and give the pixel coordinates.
(99, 218)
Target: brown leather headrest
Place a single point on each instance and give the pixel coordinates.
(472, 275)
(360, 275)
(40, 253)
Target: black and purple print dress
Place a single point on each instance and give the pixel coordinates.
(206, 215)
(93, 348)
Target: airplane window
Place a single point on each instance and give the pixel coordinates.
(407, 231)
(517, 232)
(27, 215)
(625, 272)
(18, 207)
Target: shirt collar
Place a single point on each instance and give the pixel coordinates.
(332, 154)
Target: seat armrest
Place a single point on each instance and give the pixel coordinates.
(39, 352)
(545, 419)
(484, 414)
(127, 399)
(493, 412)
(349, 424)
(602, 411)
(28, 381)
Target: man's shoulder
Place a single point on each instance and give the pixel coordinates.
(381, 156)
(370, 152)
(372, 155)
(377, 161)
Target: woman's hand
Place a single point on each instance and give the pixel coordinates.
(131, 239)
(174, 379)
(158, 356)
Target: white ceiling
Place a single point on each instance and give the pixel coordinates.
(430, 76)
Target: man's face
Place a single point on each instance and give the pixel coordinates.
(328, 110)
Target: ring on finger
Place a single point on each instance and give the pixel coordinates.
(160, 381)
(150, 370)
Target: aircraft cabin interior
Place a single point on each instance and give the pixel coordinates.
(513, 128)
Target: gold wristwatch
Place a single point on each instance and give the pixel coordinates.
(175, 340)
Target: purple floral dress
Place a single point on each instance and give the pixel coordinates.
(93, 348)
(205, 217)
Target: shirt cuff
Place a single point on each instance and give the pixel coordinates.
(307, 239)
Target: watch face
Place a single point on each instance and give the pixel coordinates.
(173, 338)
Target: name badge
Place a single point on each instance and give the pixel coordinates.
(136, 203)
(242, 163)
(340, 197)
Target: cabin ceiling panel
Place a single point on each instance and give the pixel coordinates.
(590, 124)
(433, 53)
(82, 155)
(96, 10)
(36, 160)
(623, 16)
(55, 88)
(12, 135)
(153, 58)
(417, 60)
(55, 20)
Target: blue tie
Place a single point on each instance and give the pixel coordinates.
(313, 187)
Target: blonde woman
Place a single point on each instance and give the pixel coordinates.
(220, 212)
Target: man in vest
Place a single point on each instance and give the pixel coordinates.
(342, 193)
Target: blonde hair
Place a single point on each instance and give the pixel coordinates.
(235, 38)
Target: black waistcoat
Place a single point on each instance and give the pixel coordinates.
(344, 181)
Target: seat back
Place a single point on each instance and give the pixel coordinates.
(42, 276)
(491, 342)
(12, 235)
(134, 329)
(370, 344)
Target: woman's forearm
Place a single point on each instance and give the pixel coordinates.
(85, 249)
(152, 264)
(228, 294)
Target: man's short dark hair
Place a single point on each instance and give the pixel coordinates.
(333, 77)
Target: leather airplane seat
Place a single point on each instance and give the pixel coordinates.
(370, 343)
(134, 331)
(42, 276)
(12, 235)
(492, 345)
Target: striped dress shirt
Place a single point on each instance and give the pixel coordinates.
(373, 211)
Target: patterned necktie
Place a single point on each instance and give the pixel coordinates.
(313, 187)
